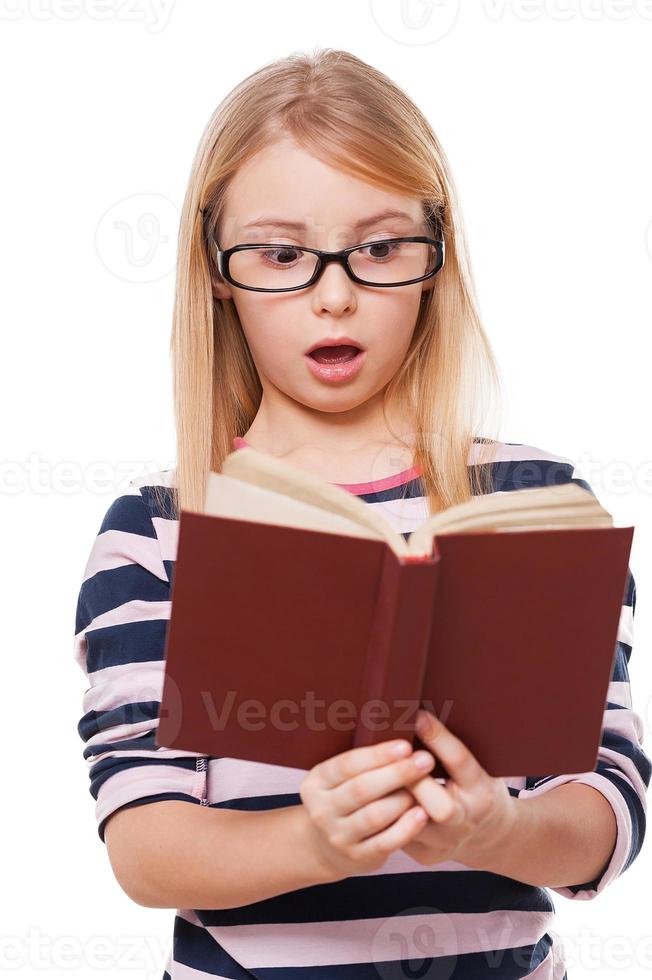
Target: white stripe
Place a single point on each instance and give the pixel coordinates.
(626, 625)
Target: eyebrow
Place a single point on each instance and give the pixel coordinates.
(273, 222)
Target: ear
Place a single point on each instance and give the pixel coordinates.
(220, 288)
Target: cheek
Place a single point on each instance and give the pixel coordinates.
(270, 334)
(394, 327)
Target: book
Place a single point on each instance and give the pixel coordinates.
(303, 624)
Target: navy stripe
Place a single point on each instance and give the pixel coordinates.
(622, 654)
(506, 475)
(128, 513)
(138, 642)
(126, 714)
(413, 488)
(381, 895)
(514, 474)
(112, 587)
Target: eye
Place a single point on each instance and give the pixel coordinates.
(381, 250)
(283, 255)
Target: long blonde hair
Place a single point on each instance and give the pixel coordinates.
(353, 117)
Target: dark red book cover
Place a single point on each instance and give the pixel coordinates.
(289, 646)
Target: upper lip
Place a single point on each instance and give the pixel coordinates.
(335, 342)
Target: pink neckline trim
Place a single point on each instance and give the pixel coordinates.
(385, 483)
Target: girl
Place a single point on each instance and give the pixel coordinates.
(369, 367)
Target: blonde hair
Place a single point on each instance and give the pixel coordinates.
(353, 117)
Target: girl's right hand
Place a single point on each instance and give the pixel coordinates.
(357, 812)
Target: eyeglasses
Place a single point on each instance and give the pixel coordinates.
(271, 267)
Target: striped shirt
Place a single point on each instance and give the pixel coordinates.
(380, 923)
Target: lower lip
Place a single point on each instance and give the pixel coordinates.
(336, 372)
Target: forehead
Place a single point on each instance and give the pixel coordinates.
(285, 188)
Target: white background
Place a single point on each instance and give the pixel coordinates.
(543, 111)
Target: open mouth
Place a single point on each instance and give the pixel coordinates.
(334, 355)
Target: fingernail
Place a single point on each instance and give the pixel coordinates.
(422, 760)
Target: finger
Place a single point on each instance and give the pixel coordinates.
(367, 786)
(334, 770)
(460, 763)
(438, 803)
(374, 817)
(399, 833)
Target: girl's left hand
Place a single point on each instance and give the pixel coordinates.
(470, 816)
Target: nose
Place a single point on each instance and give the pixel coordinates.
(334, 289)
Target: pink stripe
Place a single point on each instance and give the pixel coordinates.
(236, 778)
(133, 784)
(113, 549)
(124, 684)
(395, 937)
(385, 483)
(625, 722)
(552, 968)
(167, 531)
(626, 625)
(121, 732)
(619, 692)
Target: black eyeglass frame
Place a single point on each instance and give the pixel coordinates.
(222, 257)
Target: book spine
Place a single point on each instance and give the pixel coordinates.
(392, 681)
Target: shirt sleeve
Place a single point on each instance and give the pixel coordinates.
(122, 613)
(622, 770)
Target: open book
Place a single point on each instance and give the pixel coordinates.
(303, 624)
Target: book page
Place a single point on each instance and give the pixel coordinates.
(251, 466)
(564, 505)
(227, 497)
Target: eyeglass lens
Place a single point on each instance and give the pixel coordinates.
(380, 263)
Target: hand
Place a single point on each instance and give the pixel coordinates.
(357, 806)
(471, 815)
